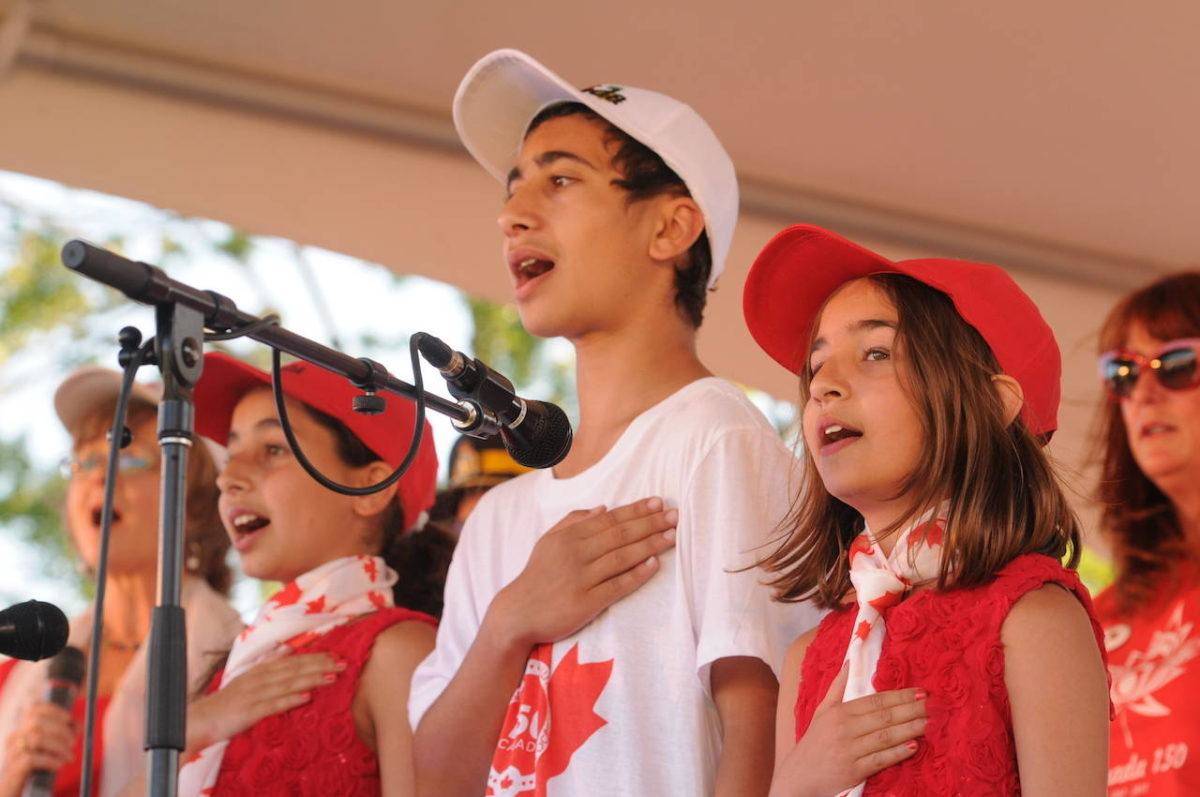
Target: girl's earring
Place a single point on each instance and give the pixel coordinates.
(193, 561)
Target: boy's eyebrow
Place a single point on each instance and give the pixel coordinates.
(544, 160)
(865, 325)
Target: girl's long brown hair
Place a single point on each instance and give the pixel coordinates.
(1137, 517)
(1004, 500)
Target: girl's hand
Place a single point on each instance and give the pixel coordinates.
(43, 739)
(265, 689)
(846, 743)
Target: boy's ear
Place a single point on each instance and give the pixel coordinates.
(1012, 397)
(370, 505)
(679, 224)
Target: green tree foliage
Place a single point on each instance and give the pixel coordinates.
(30, 504)
(36, 293)
(501, 341)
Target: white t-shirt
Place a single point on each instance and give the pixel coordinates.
(623, 706)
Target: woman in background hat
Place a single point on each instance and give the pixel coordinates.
(312, 697)
(39, 735)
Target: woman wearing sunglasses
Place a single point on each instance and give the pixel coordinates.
(1150, 494)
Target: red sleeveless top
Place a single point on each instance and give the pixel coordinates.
(949, 644)
(313, 749)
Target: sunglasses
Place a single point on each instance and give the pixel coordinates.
(1174, 366)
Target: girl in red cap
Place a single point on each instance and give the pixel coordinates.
(959, 656)
(1150, 494)
(312, 697)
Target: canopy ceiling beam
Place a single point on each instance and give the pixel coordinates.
(79, 54)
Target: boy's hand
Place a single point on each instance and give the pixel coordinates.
(584, 564)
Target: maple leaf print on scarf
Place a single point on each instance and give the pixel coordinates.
(286, 596)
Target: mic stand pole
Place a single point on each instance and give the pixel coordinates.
(179, 342)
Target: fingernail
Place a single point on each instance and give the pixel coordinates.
(651, 562)
(329, 678)
(654, 504)
(911, 745)
(340, 665)
(669, 534)
(671, 516)
(921, 694)
(306, 696)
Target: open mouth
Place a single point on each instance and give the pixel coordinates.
(1155, 429)
(529, 267)
(98, 514)
(834, 433)
(245, 527)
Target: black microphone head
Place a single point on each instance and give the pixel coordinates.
(542, 439)
(69, 665)
(32, 630)
(434, 350)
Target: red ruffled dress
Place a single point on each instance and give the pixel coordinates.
(949, 644)
(313, 749)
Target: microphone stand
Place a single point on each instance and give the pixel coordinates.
(182, 313)
(179, 345)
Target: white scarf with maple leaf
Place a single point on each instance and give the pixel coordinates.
(314, 604)
(881, 582)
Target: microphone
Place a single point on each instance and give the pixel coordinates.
(32, 630)
(536, 433)
(66, 676)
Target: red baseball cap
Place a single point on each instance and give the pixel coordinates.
(226, 379)
(802, 266)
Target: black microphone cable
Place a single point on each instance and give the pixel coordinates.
(311, 469)
(136, 355)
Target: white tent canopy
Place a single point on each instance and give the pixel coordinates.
(1056, 140)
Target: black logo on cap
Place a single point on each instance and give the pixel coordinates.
(608, 92)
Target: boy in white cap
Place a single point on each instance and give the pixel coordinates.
(602, 634)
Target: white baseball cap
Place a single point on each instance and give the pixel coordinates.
(503, 92)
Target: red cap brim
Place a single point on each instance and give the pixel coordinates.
(225, 380)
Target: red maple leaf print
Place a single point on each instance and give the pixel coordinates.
(192, 758)
(928, 533)
(315, 606)
(860, 544)
(886, 601)
(300, 640)
(288, 596)
(370, 568)
(551, 715)
(377, 599)
(864, 630)
(574, 690)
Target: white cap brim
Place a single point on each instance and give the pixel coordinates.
(80, 394)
